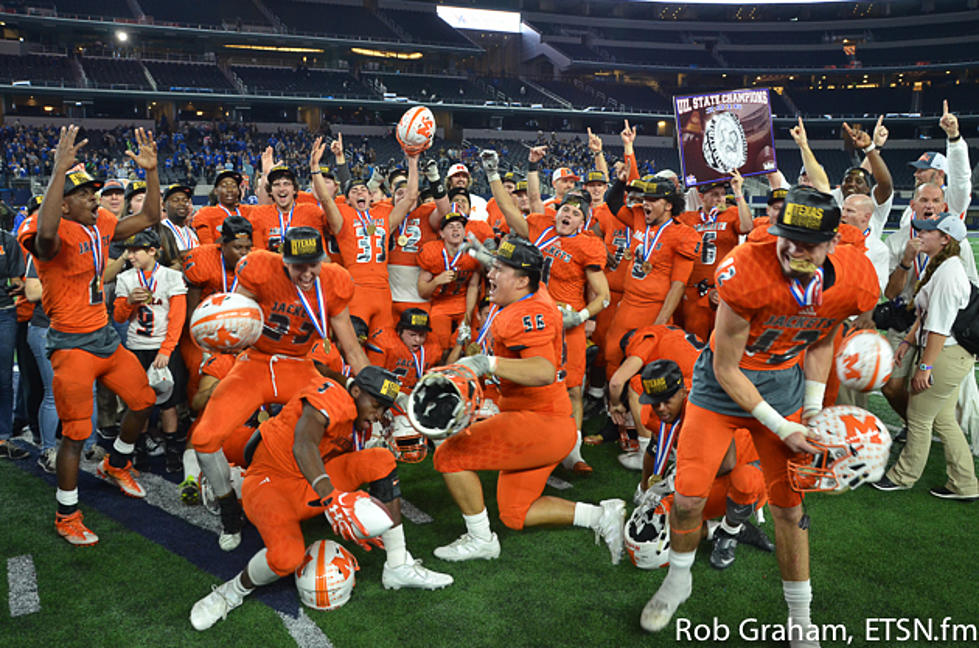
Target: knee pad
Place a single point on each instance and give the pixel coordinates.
(387, 489)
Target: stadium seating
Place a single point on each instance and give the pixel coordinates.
(302, 81)
(38, 69)
(115, 73)
(188, 76)
(335, 20)
(566, 90)
(102, 8)
(633, 96)
(433, 88)
(843, 103)
(230, 13)
(520, 92)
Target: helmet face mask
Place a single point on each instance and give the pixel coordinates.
(405, 442)
(647, 532)
(444, 401)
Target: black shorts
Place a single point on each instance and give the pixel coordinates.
(177, 370)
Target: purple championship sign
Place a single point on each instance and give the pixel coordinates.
(723, 131)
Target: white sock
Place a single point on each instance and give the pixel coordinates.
(643, 444)
(575, 455)
(258, 570)
(729, 529)
(587, 515)
(191, 467)
(678, 578)
(478, 525)
(67, 498)
(122, 447)
(798, 596)
(394, 545)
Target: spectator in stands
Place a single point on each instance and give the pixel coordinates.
(11, 284)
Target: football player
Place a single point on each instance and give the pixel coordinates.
(271, 222)
(301, 299)
(69, 241)
(309, 460)
(534, 430)
(176, 227)
(407, 352)
(777, 298)
(207, 220)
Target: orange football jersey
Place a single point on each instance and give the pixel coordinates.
(390, 352)
(751, 282)
(481, 229)
(218, 365)
(207, 220)
(416, 231)
(267, 221)
(565, 260)
(664, 342)
(334, 402)
(306, 198)
(73, 296)
(718, 236)
(363, 241)
(204, 269)
(288, 328)
(531, 327)
(435, 259)
(618, 238)
(672, 247)
(495, 218)
(601, 215)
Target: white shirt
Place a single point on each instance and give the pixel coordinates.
(477, 210)
(184, 235)
(958, 179)
(939, 301)
(879, 216)
(880, 256)
(148, 324)
(895, 245)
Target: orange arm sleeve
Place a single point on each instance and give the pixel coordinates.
(122, 309)
(175, 323)
(633, 168)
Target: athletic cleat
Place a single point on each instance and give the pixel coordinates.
(631, 460)
(124, 478)
(468, 547)
(173, 462)
(215, 606)
(48, 460)
(660, 609)
(95, 454)
(412, 574)
(611, 527)
(722, 556)
(581, 468)
(190, 492)
(72, 529)
(11, 450)
(755, 537)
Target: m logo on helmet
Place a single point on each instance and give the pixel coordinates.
(855, 427)
(804, 216)
(302, 247)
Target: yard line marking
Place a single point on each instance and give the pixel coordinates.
(558, 483)
(22, 586)
(306, 633)
(414, 514)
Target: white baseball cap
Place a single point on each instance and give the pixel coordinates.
(458, 167)
(563, 172)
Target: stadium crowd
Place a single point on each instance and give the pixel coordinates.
(702, 336)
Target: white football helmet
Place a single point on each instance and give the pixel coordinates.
(209, 500)
(647, 532)
(854, 445)
(325, 579)
(407, 444)
(445, 401)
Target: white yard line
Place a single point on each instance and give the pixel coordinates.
(22, 586)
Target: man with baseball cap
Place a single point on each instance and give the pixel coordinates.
(563, 180)
(175, 230)
(112, 196)
(458, 176)
(227, 190)
(408, 351)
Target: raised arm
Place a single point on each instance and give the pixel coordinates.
(408, 201)
(149, 215)
(46, 241)
(817, 175)
(534, 156)
(884, 187)
(745, 222)
(959, 176)
(595, 146)
(516, 221)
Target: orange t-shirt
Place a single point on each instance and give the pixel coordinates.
(673, 247)
(529, 328)
(418, 231)
(334, 402)
(435, 259)
(207, 220)
(603, 216)
(73, 297)
(204, 269)
(718, 236)
(288, 328)
(267, 222)
(495, 218)
(306, 198)
(565, 260)
(664, 342)
(363, 242)
(390, 352)
(751, 282)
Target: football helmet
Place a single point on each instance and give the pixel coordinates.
(325, 578)
(209, 500)
(405, 442)
(865, 360)
(647, 532)
(445, 401)
(854, 447)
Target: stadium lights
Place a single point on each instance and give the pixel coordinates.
(480, 19)
(403, 56)
(276, 48)
(121, 36)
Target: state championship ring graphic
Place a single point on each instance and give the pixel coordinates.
(725, 145)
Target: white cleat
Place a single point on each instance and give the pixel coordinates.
(412, 574)
(660, 609)
(468, 547)
(631, 460)
(800, 637)
(229, 541)
(611, 527)
(216, 605)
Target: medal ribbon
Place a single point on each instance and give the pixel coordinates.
(542, 244)
(365, 221)
(664, 442)
(320, 322)
(284, 225)
(810, 294)
(920, 260)
(184, 235)
(150, 283)
(455, 259)
(224, 278)
(228, 212)
(95, 238)
(419, 360)
(485, 328)
(711, 217)
(647, 245)
(358, 438)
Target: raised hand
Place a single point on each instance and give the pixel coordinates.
(628, 134)
(66, 153)
(146, 157)
(594, 142)
(536, 153)
(949, 122)
(860, 138)
(336, 148)
(316, 154)
(737, 182)
(798, 133)
(880, 133)
(268, 160)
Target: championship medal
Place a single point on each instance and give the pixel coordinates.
(402, 240)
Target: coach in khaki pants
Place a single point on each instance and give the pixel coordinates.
(942, 364)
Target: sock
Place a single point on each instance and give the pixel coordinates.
(575, 455)
(730, 529)
(259, 571)
(394, 545)
(239, 588)
(121, 453)
(678, 579)
(798, 596)
(587, 515)
(218, 472)
(595, 392)
(191, 467)
(643, 443)
(67, 501)
(478, 525)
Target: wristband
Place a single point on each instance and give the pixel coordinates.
(904, 342)
(952, 140)
(584, 314)
(815, 391)
(870, 148)
(533, 167)
(768, 417)
(313, 483)
(903, 267)
(316, 172)
(493, 177)
(438, 190)
(925, 367)
(492, 363)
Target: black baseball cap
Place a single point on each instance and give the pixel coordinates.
(227, 173)
(234, 227)
(579, 200)
(660, 380)
(327, 172)
(807, 215)
(78, 178)
(414, 319)
(34, 203)
(510, 176)
(135, 187)
(177, 188)
(147, 238)
(657, 188)
(379, 383)
(452, 217)
(774, 195)
(595, 176)
(302, 245)
(458, 191)
(281, 171)
(351, 183)
(518, 252)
